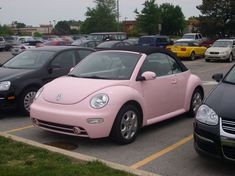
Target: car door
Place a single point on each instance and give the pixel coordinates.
(61, 64)
(233, 49)
(161, 94)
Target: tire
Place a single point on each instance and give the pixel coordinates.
(230, 59)
(126, 125)
(192, 56)
(196, 100)
(26, 99)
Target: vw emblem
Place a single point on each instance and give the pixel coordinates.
(59, 97)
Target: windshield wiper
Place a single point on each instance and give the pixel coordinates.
(93, 77)
(72, 75)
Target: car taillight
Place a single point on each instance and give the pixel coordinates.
(183, 49)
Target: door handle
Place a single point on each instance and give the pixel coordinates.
(173, 81)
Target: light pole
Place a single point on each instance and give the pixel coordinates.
(117, 15)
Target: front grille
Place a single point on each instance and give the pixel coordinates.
(214, 52)
(228, 126)
(66, 129)
(229, 152)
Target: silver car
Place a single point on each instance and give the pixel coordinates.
(222, 49)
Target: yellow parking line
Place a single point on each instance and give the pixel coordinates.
(162, 152)
(19, 129)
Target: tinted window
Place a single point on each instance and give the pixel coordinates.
(84, 53)
(231, 76)
(66, 59)
(29, 59)
(157, 63)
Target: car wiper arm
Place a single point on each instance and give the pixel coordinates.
(72, 75)
(94, 77)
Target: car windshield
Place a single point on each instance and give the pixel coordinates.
(181, 44)
(29, 60)
(188, 36)
(107, 44)
(230, 78)
(223, 44)
(107, 65)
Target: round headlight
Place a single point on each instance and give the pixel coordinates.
(38, 93)
(207, 115)
(99, 101)
(5, 85)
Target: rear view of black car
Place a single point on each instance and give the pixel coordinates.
(24, 74)
(214, 127)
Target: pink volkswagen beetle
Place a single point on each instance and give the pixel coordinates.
(115, 93)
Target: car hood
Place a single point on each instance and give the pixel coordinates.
(218, 49)
(7, 74)
(222, 100)
(185, 40)
(69, 90)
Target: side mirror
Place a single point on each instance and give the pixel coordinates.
(218, 77)
(148, 75)
(53, 67)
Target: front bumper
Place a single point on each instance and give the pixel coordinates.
(7, 99)
(73, 119)
(182, 54)
(216, 56)
(214, 141)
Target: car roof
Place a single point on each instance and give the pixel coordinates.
(226, 40)
(59, 48)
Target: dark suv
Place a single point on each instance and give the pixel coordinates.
(155, 41)
(24, 74)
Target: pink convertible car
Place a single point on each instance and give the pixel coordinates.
(115, 93)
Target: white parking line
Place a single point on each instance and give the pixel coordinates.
(209, 83)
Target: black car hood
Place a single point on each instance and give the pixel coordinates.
(222, 100)
(7, 74)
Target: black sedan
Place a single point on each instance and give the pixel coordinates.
(112, 44)
(24, 74)
(214, 127)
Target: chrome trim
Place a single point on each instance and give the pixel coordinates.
(225, 134)
(203, 138)
(2, 98)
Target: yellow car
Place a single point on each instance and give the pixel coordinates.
(187, 49)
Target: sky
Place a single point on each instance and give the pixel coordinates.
(36, 12)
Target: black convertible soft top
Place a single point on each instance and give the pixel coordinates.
(150, 50)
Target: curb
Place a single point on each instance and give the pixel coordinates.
(79, 156)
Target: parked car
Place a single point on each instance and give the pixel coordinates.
(17, 49)
(24, 74)
(195, 37)
(214, 127)
(115, 93)
(54, 42)
(187, 49)
(155, 41)
(11, 41)
(222, 49)
(86, 43)
(111, 44)
(132, 41)
(2, 43)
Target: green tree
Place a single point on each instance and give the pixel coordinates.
(172, 19)
(5, 30)
(218, 17)
(18, 24)
(37, 34)
(148, 19)
(102, 18)
(62, 28)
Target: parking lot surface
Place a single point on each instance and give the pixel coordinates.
(165, 148)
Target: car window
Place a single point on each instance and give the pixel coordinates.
(29, 59)
(174, 65)
(91, 44)
(84, 53)
(230, 76)
(66, 59)
(157, 63)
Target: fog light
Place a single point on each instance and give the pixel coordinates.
(95, 120)
(76, 130)
(35, 122)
